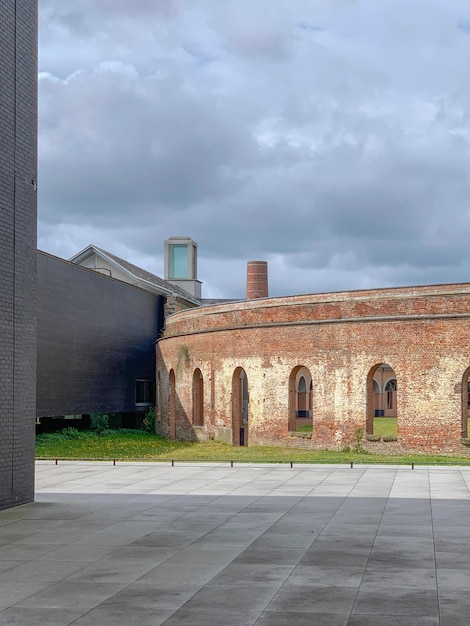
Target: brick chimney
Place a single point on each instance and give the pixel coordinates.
(256, 280)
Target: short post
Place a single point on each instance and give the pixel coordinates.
(412, 466)
(292, 464)
(172, 463)
(114, 461)
(231, 463)
(57, 461)
(352, 465)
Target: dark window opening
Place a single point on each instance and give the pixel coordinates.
(144, 392)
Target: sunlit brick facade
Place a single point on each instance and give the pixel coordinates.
(262, 364)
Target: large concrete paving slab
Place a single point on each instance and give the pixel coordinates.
(209, 544)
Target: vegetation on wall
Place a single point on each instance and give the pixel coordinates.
(183, 358)
(150, 421)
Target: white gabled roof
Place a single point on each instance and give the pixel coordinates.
(144, 278)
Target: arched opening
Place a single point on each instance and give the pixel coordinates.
(240, 400)
(465, 402)
(172, 406)
(391, 398)
(381, 411)
(300, 416)
(158, 399)
(198, 398)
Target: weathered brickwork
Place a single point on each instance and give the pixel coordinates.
(18, 157)
(423, 333)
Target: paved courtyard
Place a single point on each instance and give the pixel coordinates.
(148, 544)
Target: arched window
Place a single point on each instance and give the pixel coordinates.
(381, 401)
(300, 400)
(172, 405)
(198, 398)
(240, 400)
(465, 402)
(303, 399)
(391, 393)
(158, 399)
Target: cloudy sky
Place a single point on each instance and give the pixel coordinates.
(328, 137)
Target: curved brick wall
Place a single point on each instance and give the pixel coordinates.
(423, 333)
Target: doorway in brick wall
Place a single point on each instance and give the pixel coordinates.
(240, 406)
(172, 406)
(198, 398)
(465, 402)
(300, 400)
(381, 410)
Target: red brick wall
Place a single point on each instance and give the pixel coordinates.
(423, 333)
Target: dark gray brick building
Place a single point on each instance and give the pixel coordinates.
(18, 164)
(95, 341)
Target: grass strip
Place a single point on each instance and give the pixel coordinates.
(141, 446)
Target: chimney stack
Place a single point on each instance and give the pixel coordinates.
(256, 280)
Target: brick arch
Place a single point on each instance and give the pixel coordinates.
(239, 407)
(465, 402)
(158, 399)
(294, 396)
(198, 398)
(390, 389)
(421, 332)
(172, 404)
(371, 393)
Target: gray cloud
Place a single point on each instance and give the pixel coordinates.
(329, 138)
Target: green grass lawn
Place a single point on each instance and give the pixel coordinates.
(305, 428)
(385, 426)
(138, 445)
(382, 426)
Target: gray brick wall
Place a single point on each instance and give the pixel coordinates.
(96, 337)
(18, 166)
